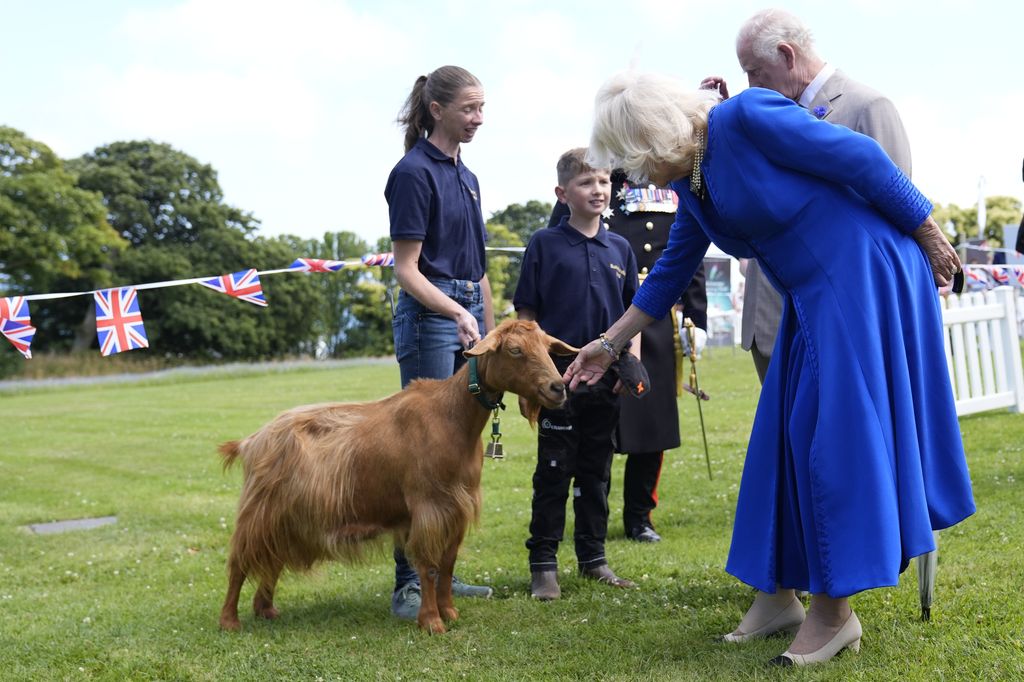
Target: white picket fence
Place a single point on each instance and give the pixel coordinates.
(982, 337)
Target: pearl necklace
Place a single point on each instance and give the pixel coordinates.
(696, 182)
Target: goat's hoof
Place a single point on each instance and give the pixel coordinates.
(267, 612)
(230, 624)
(434, 627)
(449, 613)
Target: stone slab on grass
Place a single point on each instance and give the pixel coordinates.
(70, 525)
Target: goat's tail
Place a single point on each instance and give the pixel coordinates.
(229, 452)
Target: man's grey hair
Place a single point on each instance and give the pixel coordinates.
(769, 27)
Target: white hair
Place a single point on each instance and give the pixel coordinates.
(769, 27)
(642, 119)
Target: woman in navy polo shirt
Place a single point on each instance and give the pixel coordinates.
(437, 231)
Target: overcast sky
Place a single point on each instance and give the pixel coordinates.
(293, 103)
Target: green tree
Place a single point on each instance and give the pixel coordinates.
(171, 209)
(340, 289)
(503, 269)
(999, 211)
(523, 219)
(372, 308)
(512, 226)
(193, 321)
(54, 236)
(156, 194)
(49, 228)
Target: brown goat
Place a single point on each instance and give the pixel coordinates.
(321, 479)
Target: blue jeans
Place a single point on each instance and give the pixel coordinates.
(427, 347)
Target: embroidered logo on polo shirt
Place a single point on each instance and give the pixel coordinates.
(619, 271)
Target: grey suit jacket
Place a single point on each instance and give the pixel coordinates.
(859, 108)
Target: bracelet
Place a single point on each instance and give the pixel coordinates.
(607, 345)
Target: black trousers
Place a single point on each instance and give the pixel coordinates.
(640, 489)
(574, 446)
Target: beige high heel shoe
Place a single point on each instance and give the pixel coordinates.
(788, 620)
(848, 637)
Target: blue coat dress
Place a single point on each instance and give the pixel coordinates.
(855, 454)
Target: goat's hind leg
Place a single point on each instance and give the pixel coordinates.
(263, 601)
(229, 612)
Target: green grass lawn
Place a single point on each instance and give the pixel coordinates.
(140, 600)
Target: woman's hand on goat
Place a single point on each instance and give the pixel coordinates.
(941, 254)
(595, 358)
(589, 366)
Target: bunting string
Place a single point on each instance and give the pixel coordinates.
(119, 325)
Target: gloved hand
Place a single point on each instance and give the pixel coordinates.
(700, 338)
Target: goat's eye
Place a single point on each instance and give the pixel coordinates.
(515, 351)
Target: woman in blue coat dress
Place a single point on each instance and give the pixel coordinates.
(855, 455)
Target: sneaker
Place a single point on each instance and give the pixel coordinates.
(461, 589)
(644, 534)
(405, 602)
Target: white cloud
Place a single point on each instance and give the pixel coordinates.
(953, 148)
(294, 103)
(254, 35)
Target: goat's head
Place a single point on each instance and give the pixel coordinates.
(516, 357)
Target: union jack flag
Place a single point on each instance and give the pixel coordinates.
(119, 325)
(244, 284)
(316, 265)
(386, 259)
(1018, 274)
(1000, 275)
(976, 278)
(15, 324)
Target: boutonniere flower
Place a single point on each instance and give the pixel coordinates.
(820, 111)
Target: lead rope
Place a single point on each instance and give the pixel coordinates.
(494, 449)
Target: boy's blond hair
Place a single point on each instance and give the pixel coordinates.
(573, 163)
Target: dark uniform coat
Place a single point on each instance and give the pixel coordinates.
(643, 215)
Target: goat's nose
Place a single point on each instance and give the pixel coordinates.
(557, 388)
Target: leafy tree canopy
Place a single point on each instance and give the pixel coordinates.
(157, 194)
(523, 219)
(50, 229)
(999, 211)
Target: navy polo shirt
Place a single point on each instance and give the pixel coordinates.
(434, 199)
(577, 286)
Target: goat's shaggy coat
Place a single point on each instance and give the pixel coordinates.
(320, 479)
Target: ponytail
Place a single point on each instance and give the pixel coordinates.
(415, 114)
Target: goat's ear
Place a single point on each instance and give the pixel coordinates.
(559, 347)
(485, 345)
(529, 409)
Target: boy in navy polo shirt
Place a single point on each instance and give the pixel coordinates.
(577, 279)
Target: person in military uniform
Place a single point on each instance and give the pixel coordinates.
(648, 427)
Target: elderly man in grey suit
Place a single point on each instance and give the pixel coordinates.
(776, 51)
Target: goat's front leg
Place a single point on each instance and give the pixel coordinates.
(445, 604)
(429, 619)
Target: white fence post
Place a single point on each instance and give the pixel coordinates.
(982, 341)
